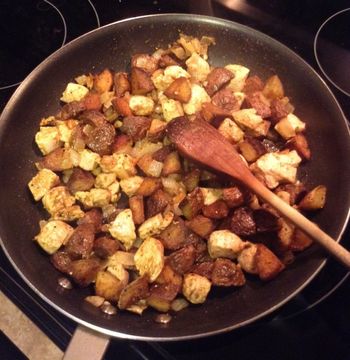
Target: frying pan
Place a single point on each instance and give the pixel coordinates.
(112, 46)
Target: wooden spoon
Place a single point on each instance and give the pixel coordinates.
(201, 142)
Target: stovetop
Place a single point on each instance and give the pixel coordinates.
(314, 325)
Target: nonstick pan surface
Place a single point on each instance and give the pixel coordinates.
(112, 46)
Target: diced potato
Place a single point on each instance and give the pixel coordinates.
(141, 105)
(148, 186)
(138, 308)
(285, 233)
(314, 199)
(289, 126)
(74, 92)
(224, 243)
(108, 286)
(149, 258)
(48, 139)
(179, 89)
(300, 241)
(131, 185)
(268, 264)
(103, 81)
(300, 144)
(65, 129)
(126, 259)
(201, 225)
(273, 88)
(133, 292)
(145, 147)
(57, 198)
(240, 75)
(150, 166)
(155, 225)
(248, 118)
(94, 197)
(89, 160)
(172, 185)
(53, 235)
(95, 300)
(210, 195)
(231, 131)
(276, 168)
(197, 67)
(103, 181)
(42, 182)
(191, 179)
(123, 228)
(198, 97)
(120, 164)
(156, 129)
(195, 288)
(172, 164)
(192, 204)
(175, 72)
(171, 108)
(251, 149)
(136, 205)
(247, 259)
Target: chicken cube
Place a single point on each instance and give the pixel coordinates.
(197, 67)
(198, 97)
(240, 74)
(89, 160)
(247, 259)
(94, 198)
(103, 181)
(131, 185)
(121, 164)
(65, 129)
(248, 119)
(275, 168)
(141, 105)
(53, 235)
(171, 108)
(74, 92)
(47, 139)
(155, 225)
(289, 126)
(211, 195)
(56, 199)
(231, 131)
(149, 258)
(123, 228)
(224, 243)
(42, 182)
(195, 288)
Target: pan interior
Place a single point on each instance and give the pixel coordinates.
(112, 46)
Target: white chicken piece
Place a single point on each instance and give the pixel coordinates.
(163, 78)
(141, 105)
(198, 97)
(231, 131)
(123, 228)
(195, 288)
(175, 72)
(171, 108)
(56, 199)
(240, 74)
(275, 168)
(149, 258)
(53, 235)
(74, 92)
(42, 182)
(47, 139)
(224, 243)
(89, 160)
(103, 181)
(247, 259)
(119, 272)
(94, 197)
(122, 165)
(155, 225)
(210, 195)
(65, 129)
(289, 126)
(197, 67)
(126, 259)
(240, 96)
(144, 147)
(131, 185)
(248, 118)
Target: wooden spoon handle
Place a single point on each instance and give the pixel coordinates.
(300, 221)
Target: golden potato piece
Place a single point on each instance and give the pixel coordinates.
(108, 286)
(149, 258)
(315, 199)
(273, 88)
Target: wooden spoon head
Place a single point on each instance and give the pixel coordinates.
(201, 142)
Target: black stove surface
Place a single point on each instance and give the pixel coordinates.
(314, 325)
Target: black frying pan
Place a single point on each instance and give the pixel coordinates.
(112, 46)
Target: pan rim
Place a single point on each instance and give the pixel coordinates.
(184, 17)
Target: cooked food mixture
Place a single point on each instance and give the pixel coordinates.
(142, 226)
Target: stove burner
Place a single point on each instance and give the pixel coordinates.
(28, 35)
(332, 49)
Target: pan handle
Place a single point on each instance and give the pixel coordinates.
(86, 344)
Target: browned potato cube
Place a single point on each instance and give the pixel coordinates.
(141, 82)
(108, 286)
(148, 186)
(136, 127)
(161, 296)
(80, 180)
(121, 105)
(156, 131)
(168, 60)
(149, 166)
(84, 271)
(251, 148)
(300, 144)
(146, 62)
(253, 84)
(157, 203)
(268, 264)
(169, 276)
(201, 225)
(172, 164)
(233, 197)
(137, 208)
(216, 210)
(191, 179)
(122, 144)
(280, 108)
(296, 191)
(314, 199)
(285, 234)
(300, 241)
(213, 113)
(81, 242)
(192, 204)
(175, 235)
(216, 79)
(105, 246)
(103, 81)
(121, 84)
(133, 292)
(179, 89)
(273, 88)
(92, 101)
(227, 273)
(56, 160)
(182, 260)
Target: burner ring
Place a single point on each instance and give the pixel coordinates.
(322, 68)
